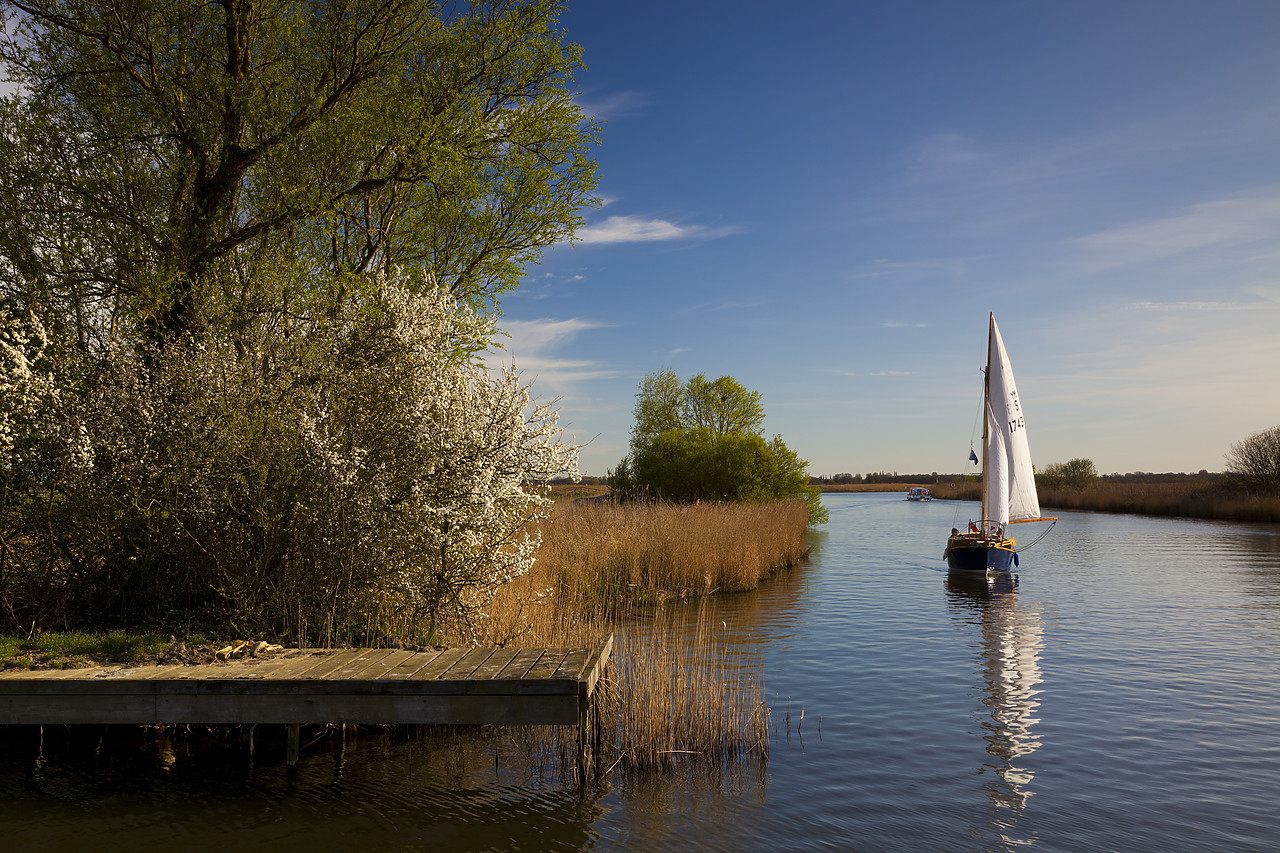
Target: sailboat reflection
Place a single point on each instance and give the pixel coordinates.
(1012, 637)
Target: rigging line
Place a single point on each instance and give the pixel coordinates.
(981, 405)
(1043, 534)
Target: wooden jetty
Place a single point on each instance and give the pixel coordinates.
(307, 687)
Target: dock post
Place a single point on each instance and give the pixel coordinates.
(295, 737)
(584, 734)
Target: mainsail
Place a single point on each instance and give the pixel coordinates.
(1009, 482)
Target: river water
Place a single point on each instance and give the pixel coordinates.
(1122, 693)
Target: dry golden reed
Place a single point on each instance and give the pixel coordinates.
(601, 555)
(672, 689)
(1187, 499)
(676, 690)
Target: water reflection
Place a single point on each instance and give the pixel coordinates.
(1012, 637)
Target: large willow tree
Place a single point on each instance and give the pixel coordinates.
(249, 252)
(157, 154)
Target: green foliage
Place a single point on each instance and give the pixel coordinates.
(659, 407)
(701, 441)
(1256, 461)
(724, 406)
(221, 396)
(159, 155)
(1076, 474)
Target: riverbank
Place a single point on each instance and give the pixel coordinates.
(1216, 499)
(601, 567)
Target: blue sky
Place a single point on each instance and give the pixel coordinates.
(825, 199)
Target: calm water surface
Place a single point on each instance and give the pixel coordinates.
(1123, 694)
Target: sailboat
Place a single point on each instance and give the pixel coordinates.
(1008, 480)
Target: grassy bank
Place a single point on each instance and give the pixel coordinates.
(1187, 499)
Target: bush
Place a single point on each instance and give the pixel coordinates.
(364, 469)
(1076, 474)
(1256, 461)
(686, 466)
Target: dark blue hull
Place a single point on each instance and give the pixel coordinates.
(976, 557)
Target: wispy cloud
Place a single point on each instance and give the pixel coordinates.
(535, 347)
(1231, 221)
(926, 268)
(636, 229)
(536, 336)
(613, 105)
(1194, 306)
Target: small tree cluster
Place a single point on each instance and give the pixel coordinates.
(702, 441)
(1076, 474)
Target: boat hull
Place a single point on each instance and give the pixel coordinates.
(981, 557)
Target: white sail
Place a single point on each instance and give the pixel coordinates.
(1009, 482)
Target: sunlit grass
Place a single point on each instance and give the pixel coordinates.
(71, 647)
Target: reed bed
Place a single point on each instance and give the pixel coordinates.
(1193, 499)
(604, 555)
(673, 689)
(677, 691)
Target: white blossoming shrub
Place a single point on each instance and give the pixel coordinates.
(437, 455)
(25, 383)
(364, 470)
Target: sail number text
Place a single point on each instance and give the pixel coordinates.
(1017, 423)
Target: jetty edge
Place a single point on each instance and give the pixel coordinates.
(458, 686)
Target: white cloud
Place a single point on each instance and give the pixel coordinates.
(635, 229)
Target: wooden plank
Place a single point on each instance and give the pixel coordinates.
(255, 667)
(323, 669)
(547, 665)
(468, 664)
(115, 686)
(376, 668)
(573, 664)
(409, 667)
(441, 664)
(493, 665)
(520, 665)
(312, 710)
(46, 674)
(158, 673)
(138, 709)
(370, 710)
(297, 667)
(596, 665)
(358, 662)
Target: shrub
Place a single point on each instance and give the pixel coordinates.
(1256, 461)
(361, 468)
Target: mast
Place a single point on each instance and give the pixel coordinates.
(986, 405)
